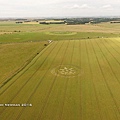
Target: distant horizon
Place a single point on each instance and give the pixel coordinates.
(59, 17)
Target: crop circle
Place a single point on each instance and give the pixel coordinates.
(61, 33)
(66, 71)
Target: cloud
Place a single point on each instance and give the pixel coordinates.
(58, 7)
(107, 7)
(83, 6)
(75, 6)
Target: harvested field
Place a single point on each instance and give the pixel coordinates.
(87, 86)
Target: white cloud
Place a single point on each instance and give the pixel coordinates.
(75, 6)
(85, 6)
(107, 7)
(27, 8)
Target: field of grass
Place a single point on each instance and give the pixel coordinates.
(11, 32)
(15, 56)
(42, 36)
(76, 77)
(109, 25)
(93, 94)
(103, 27)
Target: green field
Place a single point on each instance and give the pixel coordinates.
(76, 77)
(11, 32)
(15, 56)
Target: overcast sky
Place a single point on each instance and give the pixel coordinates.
(59, 8)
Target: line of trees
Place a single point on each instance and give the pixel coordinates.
(89, 20)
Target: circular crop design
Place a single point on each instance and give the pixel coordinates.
(66, 71)
(61, 33)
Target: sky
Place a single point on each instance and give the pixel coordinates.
(59, 8)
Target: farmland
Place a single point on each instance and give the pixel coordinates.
(15, 56)
(76, 77)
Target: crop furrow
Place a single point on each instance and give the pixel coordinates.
(115, 44)
(107, 84)
(27, 80)
(115, 60)
(80, 82)
(66, 87)
(49, 92)
(113, 47)
(21, 68)
(47, 96)
(56, 77)
(23, 72)
(97, 99)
